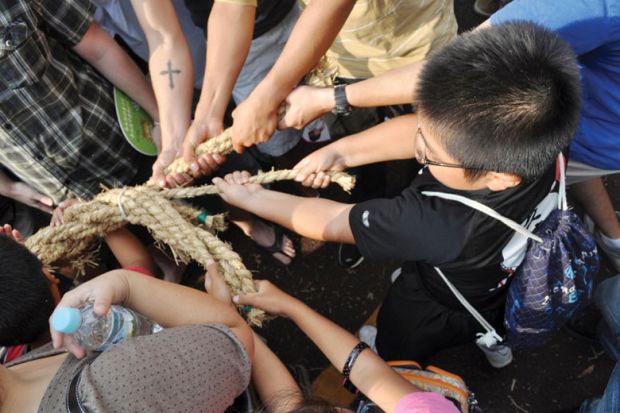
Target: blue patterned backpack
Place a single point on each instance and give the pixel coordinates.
(551, 283)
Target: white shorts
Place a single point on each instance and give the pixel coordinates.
(579, 172)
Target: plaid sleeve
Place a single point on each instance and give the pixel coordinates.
(70, 19)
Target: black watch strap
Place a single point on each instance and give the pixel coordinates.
(342, 106)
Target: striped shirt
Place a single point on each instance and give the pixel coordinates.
(58, 127)
(380, 35)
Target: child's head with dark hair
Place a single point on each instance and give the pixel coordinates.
(27, 301)
(501, 99)
(295, 403)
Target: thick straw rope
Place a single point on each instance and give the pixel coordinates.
(169, 220)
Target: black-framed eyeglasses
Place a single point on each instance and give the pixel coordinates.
(420, 151)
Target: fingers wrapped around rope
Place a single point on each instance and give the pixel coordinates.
(343, 179)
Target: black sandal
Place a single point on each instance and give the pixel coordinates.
(276, 247)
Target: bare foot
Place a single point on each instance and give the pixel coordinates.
(264, 235)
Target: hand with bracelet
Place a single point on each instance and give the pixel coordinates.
(363, 368)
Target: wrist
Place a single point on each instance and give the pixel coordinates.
(270, 94)
(295, 309)
(326, 98)
(212, 105)
(342, 156)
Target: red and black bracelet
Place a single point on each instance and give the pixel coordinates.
(348, 365)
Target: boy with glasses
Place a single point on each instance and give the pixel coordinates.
(489, 126)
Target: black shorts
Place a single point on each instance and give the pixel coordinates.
(414, 325)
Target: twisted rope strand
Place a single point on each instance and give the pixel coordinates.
(170, 221)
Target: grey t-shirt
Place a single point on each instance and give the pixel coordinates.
(198, 368)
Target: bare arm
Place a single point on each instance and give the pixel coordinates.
(391, 140)
(370, 374)
(318, 218)
(24, 193)
(168, 304)
(129, 251)
(395, 87)
(314, 218)
(105, 55)
(229, 31)
(255, 119)
(172, 74)
(276, 387)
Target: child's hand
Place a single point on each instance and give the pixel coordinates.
(268, 297)
(59, 213)
(103, 291)
(235, 188)
(311, 169)
(7, 230)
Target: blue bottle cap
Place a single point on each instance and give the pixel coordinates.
(66, 320)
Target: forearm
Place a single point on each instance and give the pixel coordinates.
(370, 374)
(396, 87)
(390, 140)
(315, 218)
(173, 305)
(312, 36)
(105, 55)
(129, 251)
(170, 65)
(274, 384)
(226, 54)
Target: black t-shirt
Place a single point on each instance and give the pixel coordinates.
(477, 253)
(268, 13)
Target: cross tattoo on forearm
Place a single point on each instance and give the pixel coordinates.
(170, 72)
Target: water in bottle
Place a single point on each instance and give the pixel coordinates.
(97, 333)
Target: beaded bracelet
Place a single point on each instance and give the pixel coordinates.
(348, 365)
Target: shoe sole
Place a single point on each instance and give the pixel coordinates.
(344, 264)
(481, 12)
(501, 365)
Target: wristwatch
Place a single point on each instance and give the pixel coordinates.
(342, 106)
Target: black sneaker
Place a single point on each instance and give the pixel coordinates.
(349, 256)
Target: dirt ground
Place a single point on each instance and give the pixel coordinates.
(555, 378)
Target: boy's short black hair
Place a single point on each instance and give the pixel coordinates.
(504, 98)
(26, 302)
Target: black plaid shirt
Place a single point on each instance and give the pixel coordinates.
(58, 127)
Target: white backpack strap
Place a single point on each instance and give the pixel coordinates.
(490, 338)
(562, 203)
(485, 210)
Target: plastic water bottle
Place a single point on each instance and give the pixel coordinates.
(97, 333)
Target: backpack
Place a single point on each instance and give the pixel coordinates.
(551, 283)
(431, 379)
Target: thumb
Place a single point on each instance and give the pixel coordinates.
(102, 303)
(221, 184)
(189, 146)
(302, 170)
(246, 299)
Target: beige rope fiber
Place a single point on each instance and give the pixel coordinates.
(169, 220)
(218, 145)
